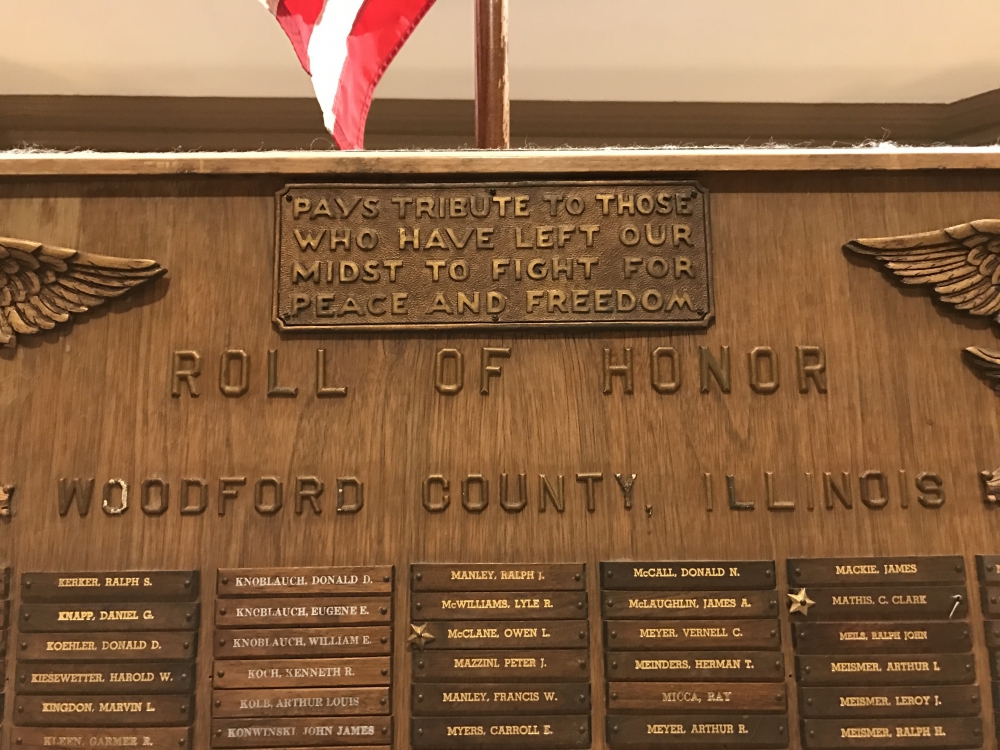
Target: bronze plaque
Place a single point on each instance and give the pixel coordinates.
(695, 666)
(114, 586)
(890, 603)
(688, 576)
(571, 665)
(480, 634)
(714, 730)
(369, 579)
(839, 702)
(55, 678)
(992, 634)
(895, 669)
(691, 634)
(892, 733)
(293, 611)
(498, 577)
(158, 738)
(859, 571)
(881, 637)
(695, 605)
(989, 568)
(302, 732)
(126, 616)
(291, 673)
(106, 646)
(464, 699)
(689, 697)
(991, 601)
(286, 642)
(356, 701)
(529, 732)
(136, 710)
(497, 255)
(524, 605)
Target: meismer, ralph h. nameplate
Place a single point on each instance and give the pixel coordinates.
(493, 255)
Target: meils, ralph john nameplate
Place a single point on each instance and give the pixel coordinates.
(118, 586)
(134, 710)
(106, 646)
(498, 577)
(688, 576)
(880, 637)
(714, 730)
(530, 732)
(104, 678)
(546, 605)
(356, 701)
(851, 702)
(558, 664)
(493, 634)
(301, 673)
(882, 669)
(296, 611)
(653, 605)
(696, 666)
(154, 738)
(863, 571)
(499, 255)
(691, 634)
(688, 697)
(897, 734)
(124, 616)
(302, 732)
(472, 699)
(369, 579)
(359, 640)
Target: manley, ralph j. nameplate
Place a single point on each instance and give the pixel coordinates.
(499, 255)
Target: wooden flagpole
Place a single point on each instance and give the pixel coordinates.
(492, 94)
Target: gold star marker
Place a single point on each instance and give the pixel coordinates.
(420, 637)
(800, 603)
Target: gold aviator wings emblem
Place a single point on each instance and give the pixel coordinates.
(42, 286)
(962, 266)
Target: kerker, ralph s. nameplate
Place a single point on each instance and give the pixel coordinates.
(493, 255)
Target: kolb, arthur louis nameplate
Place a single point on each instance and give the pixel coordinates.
(500, 255)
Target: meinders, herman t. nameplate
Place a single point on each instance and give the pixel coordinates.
(493, 255)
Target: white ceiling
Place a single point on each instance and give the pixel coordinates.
(613, 50)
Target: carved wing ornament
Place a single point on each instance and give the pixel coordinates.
(42, 285)
(961, 264)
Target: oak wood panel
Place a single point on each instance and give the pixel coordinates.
(92, 398)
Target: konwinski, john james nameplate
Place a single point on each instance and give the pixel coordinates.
(493, 255)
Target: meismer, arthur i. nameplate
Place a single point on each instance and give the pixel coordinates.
(493, 255)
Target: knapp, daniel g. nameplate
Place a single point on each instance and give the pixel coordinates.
(493, 255)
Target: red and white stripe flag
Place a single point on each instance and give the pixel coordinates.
(346, 46)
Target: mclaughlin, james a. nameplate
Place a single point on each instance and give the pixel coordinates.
(497, 255)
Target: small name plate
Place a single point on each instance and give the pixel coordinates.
(104, 678)
(132, 617)
(104, 711)
(530, 605)
(715, 730)
(892, 733)
(648, 605)
(895, 669)
(295, 611)
(464, 699)
(357, 701)
(158, 738)
(831, 703)
(688, 697)
(572, 665)
(493, 634)
(302, 732)
(688, 576)
(691, 634)
(695, 666)
(498, 577)
(858, 571)
(524, 255)
(106, 646)
(889, 603)
(880, 637)
(285, 673)
(371, 579)
(530, 732)
(114, 586)
(989, 568)
(290, 642)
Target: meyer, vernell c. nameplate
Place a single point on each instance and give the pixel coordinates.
(498, 254)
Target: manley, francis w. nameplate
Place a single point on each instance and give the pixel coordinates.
(498, 255)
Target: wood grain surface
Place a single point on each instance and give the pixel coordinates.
(92, 399)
